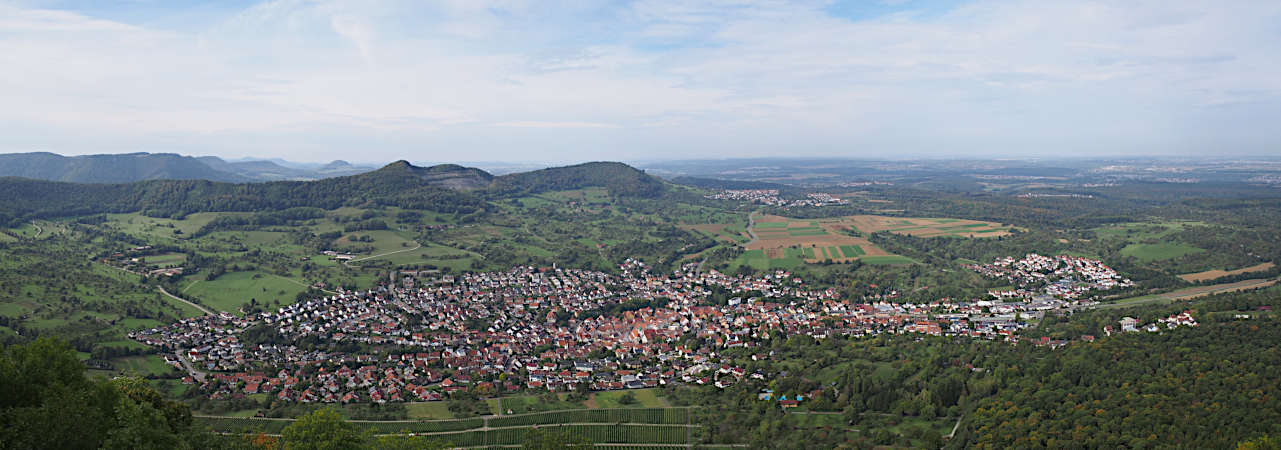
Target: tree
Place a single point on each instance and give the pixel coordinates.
(628, 398)
(323, 429)
(553, 440)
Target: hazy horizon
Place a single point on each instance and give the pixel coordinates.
(649, 80)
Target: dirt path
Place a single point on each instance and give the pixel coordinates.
(291, 280)
(38, 230)
(955, 427)
(193, 305)
(416, 247)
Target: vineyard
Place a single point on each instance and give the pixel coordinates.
(646, 415)
(602, 426)
(274, 426)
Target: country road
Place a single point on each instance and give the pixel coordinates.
(38, 230)
(193, 305)
(416, 247)
(191, 370)
(751, 222)
(291, 280)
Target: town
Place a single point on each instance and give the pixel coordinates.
(538, 328)
(771, 197)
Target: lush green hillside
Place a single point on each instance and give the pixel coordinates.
(110, 168)
(620, 179)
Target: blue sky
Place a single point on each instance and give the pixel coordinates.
(564, 81)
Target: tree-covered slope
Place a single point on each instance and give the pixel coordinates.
(111, 168)
(620, 179)
(22, 199)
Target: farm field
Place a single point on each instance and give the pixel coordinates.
(785, 243)
(1157, 252)
(1213, 274)
(926, 227)
(1192, 292)
(728, 232)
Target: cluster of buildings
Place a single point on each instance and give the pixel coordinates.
(1132, 325)
(424, 336)
(770, 197)
(1063, 276)
(135, 260)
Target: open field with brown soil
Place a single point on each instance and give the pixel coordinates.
(926, 227)
(1212, 274)
(817, 239)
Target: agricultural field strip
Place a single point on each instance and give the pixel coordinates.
(660, 417)
(502, 428)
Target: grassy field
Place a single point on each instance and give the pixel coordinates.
(533, 403)
(887, 260)
(1157, 252)
(429, 410)
(645, 398)
(232, 290)
(646, 426)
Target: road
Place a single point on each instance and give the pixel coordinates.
(38, 230)
(416, 247)
(751, 222)
(193, 305)
(955, 427)
(291, 280)
(198, 375)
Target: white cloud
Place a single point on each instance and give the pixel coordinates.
(652, 79)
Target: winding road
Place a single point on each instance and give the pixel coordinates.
(193, 305)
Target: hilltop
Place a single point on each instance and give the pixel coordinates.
(131, 167)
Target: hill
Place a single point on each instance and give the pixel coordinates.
(445, 188)
(112, 168)
(450, 176)
(25, 199)
(621, 180)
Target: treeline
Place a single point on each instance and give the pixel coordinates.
(261, 219)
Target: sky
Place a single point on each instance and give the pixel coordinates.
(555, 81)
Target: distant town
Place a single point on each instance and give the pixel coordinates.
(771, 197)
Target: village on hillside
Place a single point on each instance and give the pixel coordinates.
(537, 328)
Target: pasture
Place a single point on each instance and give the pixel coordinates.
(1158, 252)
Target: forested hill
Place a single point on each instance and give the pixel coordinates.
(24, 199)
(620, 179)
(451, 176)
(111, 168)
(445, 188)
